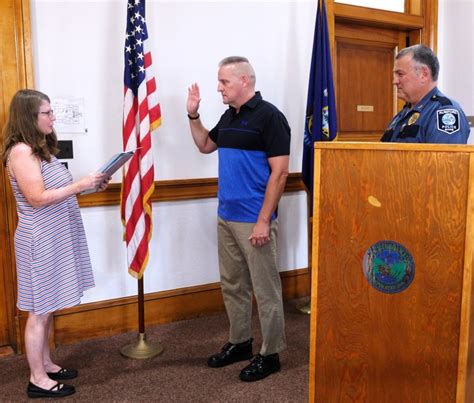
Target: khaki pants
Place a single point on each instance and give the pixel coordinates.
(242, 266)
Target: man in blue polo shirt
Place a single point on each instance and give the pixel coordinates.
(253, 140)
(428, 116)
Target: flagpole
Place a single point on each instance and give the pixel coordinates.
(141, 349)
(142, 114)
(141, 307)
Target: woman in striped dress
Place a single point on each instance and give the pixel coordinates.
(52, 258)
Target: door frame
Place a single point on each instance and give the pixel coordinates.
(16, 72)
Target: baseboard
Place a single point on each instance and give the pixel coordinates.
(110, 317)
(5, 351)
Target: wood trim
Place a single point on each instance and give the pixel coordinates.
(359, 136)
(314, 277)
(24, 71)
(428, 10)
(27, 43)
(467, 321)
(378, 18)
(347, 33)
(378, 146)
(172, 190)
(15, 73)
(413, 7)
(429, 34)
(109, 317)
(5, 351)
(331, 28)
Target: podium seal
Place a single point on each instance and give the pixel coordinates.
(389, 267)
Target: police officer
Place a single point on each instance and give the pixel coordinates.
(428, 116)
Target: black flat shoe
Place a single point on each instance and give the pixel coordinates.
(63, 373)
(260, 367)
(58, 390)
(231, 353)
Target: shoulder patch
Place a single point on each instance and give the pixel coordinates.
(448, 120)
(442, 100)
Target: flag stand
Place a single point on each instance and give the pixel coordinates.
(141, 349)
(305, 307)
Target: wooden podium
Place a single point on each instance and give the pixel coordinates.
(415, 345)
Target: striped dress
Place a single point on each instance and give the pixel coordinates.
(52, 258)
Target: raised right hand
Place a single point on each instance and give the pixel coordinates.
(194, 98)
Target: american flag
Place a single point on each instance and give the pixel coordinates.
(141, 115)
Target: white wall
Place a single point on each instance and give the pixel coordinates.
(78, 53)
(456, 52)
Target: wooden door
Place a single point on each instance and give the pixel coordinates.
(366, 98)
(15, 73)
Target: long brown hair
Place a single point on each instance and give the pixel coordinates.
(22, 126)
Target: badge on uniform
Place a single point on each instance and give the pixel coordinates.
(413, 118)
(448, 120)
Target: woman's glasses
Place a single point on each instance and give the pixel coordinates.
(47, 113)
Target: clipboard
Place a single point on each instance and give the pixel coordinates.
(115, 162)
(112, 166)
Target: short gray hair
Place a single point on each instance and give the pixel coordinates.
(422, 54)
(242, 64)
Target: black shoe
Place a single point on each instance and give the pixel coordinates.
(58, 390)
(63, 373)
(231, 353)
(260, 367)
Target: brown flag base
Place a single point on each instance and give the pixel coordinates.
(141, 349)
(304, 307)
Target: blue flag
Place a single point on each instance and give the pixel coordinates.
(321, 120)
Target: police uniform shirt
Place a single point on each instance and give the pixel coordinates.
(435, 119)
